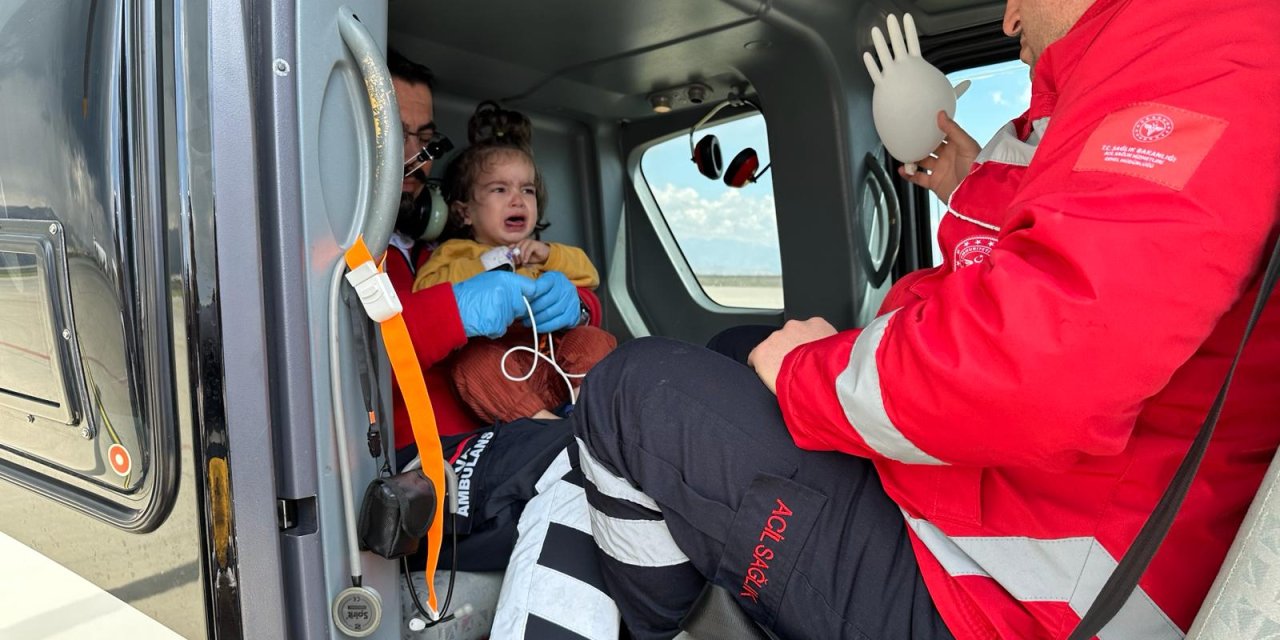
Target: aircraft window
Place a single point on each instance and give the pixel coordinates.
(1000, 93)
(728, 236)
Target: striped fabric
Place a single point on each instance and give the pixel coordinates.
(553, 588)
(640, 537)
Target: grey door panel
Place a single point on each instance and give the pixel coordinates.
(103, 480)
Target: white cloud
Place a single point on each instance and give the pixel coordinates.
(998, 98)
(749, 219)
(732, 234)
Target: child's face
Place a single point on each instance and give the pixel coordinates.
(504, 206)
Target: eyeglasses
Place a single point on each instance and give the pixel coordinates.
(436, 147)
(420, 138)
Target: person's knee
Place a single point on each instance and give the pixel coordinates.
(616, 386)
(643, 365)
(738, 342)
(639, 363)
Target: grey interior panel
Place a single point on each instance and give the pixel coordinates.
(1244, 601)
(621, 51)
(335, 140)
(339, 152)
(286, 276)
(597, 71)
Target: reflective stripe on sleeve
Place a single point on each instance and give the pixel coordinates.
(1068, 570)
(858, 388)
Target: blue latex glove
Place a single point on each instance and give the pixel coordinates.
(555, 302)
(489, 302)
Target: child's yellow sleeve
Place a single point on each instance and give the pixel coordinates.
(453, 261)
(574, 264)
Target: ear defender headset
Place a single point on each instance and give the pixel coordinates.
(439, 213)
(429, 211)
(709, 159)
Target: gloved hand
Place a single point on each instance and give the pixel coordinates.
(555, 302)
(489, 302)
(909, 93)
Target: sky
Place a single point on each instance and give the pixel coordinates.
(1003, 92)
(726, 231)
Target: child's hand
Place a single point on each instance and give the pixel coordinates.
(532, 252)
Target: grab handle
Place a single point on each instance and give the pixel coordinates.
(877, 276)
(388, 169)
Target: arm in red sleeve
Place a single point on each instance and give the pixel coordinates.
(594, 308)
(808, 400)
(431, 315)
(1103, 284)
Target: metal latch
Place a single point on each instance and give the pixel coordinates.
(286, 514)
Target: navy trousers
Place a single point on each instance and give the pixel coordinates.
(737, 342)
(676, 435)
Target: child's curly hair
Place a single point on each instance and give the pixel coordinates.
(494, 133)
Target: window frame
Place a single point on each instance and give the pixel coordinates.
(662, 226)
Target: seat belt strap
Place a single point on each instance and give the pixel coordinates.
(422, 418)
(1124, 579)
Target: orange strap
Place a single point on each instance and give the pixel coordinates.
(404, 362)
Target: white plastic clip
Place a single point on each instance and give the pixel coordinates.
(499, 258)
(375, 291)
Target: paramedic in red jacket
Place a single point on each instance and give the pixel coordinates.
(441, 318)
(975, 460)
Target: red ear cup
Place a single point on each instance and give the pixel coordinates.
(707, 156)
(742, 169)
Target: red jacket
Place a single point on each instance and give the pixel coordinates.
(436, 330)
(1027, 402)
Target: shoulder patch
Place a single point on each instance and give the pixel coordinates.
(972, 250)
(1152, 141)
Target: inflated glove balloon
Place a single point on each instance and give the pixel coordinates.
(555, 302)
(909, 93)
(489, 302)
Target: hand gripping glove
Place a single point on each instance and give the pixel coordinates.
(909, 93)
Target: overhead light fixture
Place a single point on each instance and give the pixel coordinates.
(667, 99)
(660, 102)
